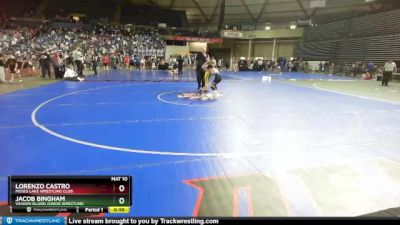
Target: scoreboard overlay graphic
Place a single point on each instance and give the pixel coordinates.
(69, 194)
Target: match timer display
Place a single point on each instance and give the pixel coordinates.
(86, 194)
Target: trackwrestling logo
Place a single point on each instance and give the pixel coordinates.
(33, 220)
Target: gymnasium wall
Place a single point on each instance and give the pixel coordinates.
(197, 46)
(176, 50)
(262, 44)
(259, 48)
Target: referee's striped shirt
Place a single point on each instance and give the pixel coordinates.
(389, 67)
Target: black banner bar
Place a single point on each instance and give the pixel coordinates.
(60, 179)
(218, 221)
(36, 210)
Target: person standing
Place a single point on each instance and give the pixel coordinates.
(132, 61)
(95, 60)
(213, 62)
(321, 67)
(143, 64)
(28, 66)
(2, 65)
(154, 64)
(20, 66)
(70, 60)
(12, 67)
(370, 67)
(201, 58)
(180, 64)
(127, 62)
(326, 67)
(388, 70)
(45, 64)
(106, 62)
(78, 58)
(57, 62)
(331, 68)
(219, 64)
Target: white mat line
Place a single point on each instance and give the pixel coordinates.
(315, 85)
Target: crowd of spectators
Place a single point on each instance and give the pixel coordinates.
(260, 64)
(365, 70)
(97, 41)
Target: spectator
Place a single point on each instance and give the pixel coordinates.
(12, 67)
(213, 62)
(127, 62)
(370, 67)
(106, 62)
(143, 64)
(331, 68)
(163, 65)
(219, 63)
(180, 64)
(2, 66)
(378, 73)
(57, 65)
(95, 61)
(45, 64)
(366, 75)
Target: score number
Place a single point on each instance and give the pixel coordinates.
(121, 188)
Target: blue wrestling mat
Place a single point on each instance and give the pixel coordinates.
(270, 141)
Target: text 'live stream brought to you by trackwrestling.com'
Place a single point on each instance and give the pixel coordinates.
(140, 221)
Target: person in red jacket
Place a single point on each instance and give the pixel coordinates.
(127, 61)
(106, 62)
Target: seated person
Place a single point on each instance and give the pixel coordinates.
(242, 65)
(378, 73)
(153, 65)
(173, 69)
(163, 65)
(366, 76)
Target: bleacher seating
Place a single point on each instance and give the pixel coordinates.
(322, 51)
(373, 37)
(377, 24)
(329, 31)
(93, 9)
(19, 8)
(149, 15)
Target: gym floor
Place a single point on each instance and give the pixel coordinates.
(300, 145)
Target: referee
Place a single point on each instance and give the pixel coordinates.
(200, 60)
(388, 70)
(78, 58)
